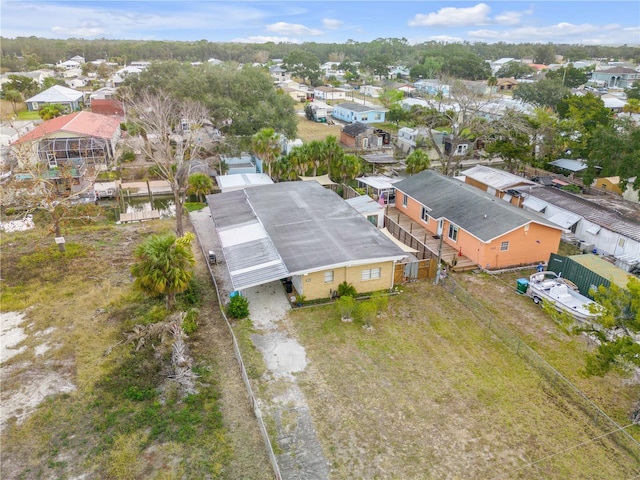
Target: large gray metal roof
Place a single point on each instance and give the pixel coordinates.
(270, 232)
(622, 223)
(477, 212)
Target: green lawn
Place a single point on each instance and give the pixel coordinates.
(27, 115)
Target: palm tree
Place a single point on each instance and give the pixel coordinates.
(200, 184)
(266, 146)
(417, 161)
(333, 152)
(164, 266)
(492, 82)
(349, 167)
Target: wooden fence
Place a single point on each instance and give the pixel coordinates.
(408, 239)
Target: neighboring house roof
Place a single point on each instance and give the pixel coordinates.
(329, 89)
(357, 107)
(571, 165)
(274, 231)
(379, 182)
(355, 129)
(238, 181)
(506, 81)
(379, 158)
(110, 107)
(477, 212)
(80, 123)
(364, 204)
(591, 211)
(498, 179)
(57, 94)
(616, 70)
(613, 102)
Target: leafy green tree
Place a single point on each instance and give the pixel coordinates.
(23, 84)
(417, 161)
(621, 310)
(587, 111)
(570, 76)
(545, 54)
(545, 93)
(396, 114)
(509, 138)
(14, 97)
(51, 110)
(266, 146)
(390, 97)
(515, 70)
(433, 66)
(466, 65)
(164, 266)
(377, 65)
(632, 106)
(52, 81)
(200, 184)
(418, 71)
(633, 92)
(303, 64)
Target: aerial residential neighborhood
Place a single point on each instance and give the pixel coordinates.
(275, 241)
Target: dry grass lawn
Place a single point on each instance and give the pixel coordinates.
(309, 131)
(432, 393)
(116, 423)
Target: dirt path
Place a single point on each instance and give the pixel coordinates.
(300, 453)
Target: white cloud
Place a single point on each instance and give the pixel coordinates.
(508, 18)
(78, 32)
(611, 34)
(453, 17)
(265, 39)
(292, 29)
(332, 23)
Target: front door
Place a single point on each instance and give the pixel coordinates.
(440, 227)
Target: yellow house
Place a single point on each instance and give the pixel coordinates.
(303, 233)
(610, 184)
(488, 230)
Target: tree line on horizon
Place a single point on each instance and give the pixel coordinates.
(28, 53)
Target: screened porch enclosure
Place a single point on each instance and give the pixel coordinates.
(91, 150)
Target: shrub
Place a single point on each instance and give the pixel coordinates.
(347, 290)
(127, 156)
(346, 305)
(190, 322)
(380, 300)
(367, 312)
(191, 297)
(238, 307)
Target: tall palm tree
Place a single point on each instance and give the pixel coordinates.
(492, 82)
(349, 167)
(333, 152)
(164, 266)
(266, 146)
(200, 184)
(417, 161)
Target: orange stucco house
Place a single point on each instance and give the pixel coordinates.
(488, 230)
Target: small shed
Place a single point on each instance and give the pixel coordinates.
(379, 186)
(369, 209)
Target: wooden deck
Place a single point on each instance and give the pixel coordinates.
(450, 255)
(140, 216)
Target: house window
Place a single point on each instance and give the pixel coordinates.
(405, 200)
(461, 150)
(378, 116)
(504, 246)
(424, 215)
(453, 232)
(328, 276)
(364, 118)
(371, 273)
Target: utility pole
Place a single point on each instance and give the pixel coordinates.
(439, 258)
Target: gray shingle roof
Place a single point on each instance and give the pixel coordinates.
(356, 128)
(475, 211)
(357, 107)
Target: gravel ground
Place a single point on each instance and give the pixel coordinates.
(301, 454)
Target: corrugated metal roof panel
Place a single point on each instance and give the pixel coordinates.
(564, 219)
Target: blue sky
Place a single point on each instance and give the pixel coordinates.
(578, 22)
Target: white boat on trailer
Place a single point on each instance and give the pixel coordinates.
(554, 289)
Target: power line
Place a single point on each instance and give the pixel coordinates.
(563, 451)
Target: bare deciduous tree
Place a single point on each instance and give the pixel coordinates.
(174, 137)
